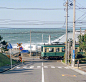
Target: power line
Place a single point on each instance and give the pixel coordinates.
(32, 8)
(80, 16)
(36, 8)
(79, 4)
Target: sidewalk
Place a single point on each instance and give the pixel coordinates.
(5, 68)
(81, 69)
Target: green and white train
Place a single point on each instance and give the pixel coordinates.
(53, 51)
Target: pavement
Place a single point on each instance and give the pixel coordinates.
(6, 68)
(81, 69)
(39, 70)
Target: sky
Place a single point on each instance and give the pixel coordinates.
(40, 13)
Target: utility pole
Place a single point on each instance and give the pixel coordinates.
(10, 59)
(68, 51)
(71, 54)
(42, 38)
(66, 30)
(80, 30)
(73, 57)
(30, 42)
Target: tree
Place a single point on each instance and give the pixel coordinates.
(5, 47)
(82, 42)
(1, 38)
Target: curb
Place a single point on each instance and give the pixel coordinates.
(9, 68)
(75, 69)
(5, 70)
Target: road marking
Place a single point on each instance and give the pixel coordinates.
(74, 75)
(38, 66)
(52, 67)
(63, 75)
(69, 75)
(45, 66)
(31, 66)
(59, 67)
(17, 67)
(66, 67)
(42, 73)
(24, 67)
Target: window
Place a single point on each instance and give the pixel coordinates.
(63, 49)
(57, 49)
(51, 49)
(42, 49)
(45, 49)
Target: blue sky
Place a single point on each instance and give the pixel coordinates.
(38, 16)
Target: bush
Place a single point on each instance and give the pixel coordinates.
(79, 55)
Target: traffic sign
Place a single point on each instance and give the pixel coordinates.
(73, 57)
(9, 46)
(21, 48)
(19, 44)
(24, 51)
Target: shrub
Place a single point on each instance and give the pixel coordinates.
(79, 55)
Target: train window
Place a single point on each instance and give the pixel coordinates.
(75, 48)
(63, 50)
(42, 49)
(51, 49)
(45, 49)
(57, 49)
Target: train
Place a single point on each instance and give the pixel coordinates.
(53, 51)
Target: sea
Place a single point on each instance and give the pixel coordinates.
(38, 35)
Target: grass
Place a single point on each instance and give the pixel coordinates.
(63, 61)
(4, 60)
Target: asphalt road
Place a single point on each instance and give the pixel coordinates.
(41, 71)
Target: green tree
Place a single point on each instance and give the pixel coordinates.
(82, 42)
(4, 43)
(1, 38)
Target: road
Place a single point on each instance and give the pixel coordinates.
(41, 71)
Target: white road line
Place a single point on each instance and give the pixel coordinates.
(52, 67)
(31, 67)
(45, 66)
(59, 67)
(66, 67)
(42, 73)
(38, 66)
(24, 67)
(17, 67)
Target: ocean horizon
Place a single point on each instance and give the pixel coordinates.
(38, 35)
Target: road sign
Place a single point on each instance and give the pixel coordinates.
(9, 46)
(24, 51)
(19, 44)
(73, 57)
(21, 48)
